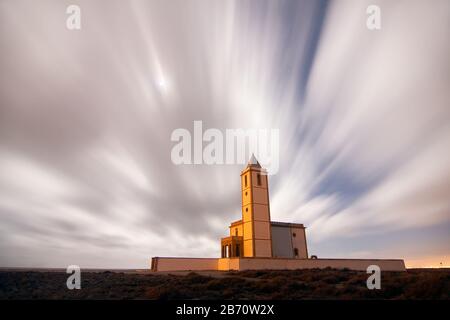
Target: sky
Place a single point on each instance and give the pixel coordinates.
(86, 117)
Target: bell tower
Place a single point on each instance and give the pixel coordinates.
(257, 237)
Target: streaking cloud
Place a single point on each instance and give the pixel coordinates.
(86, 118)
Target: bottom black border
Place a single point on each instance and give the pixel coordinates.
(361, 309)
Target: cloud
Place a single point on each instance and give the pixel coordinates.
(374, 128)
(86, 118)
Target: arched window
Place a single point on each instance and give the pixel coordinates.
(295, 252)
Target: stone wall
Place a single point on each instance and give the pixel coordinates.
(290, 264)
(182, 264)
(226, 264)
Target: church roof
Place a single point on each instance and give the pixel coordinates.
(237, 222)
(253, 162)
(287, 224)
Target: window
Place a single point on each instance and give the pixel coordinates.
(245, 181)
(295, 252)
(258, 177)
(294, 235)
(236, 232)
(246, 209)
(245, 192)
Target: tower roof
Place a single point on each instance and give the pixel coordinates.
(253, 162)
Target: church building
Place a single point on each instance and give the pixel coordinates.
(255, 235)
(256, 242)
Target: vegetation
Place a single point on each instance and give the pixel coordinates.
(281, 285)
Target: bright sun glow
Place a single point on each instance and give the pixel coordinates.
(163, 85)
